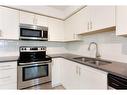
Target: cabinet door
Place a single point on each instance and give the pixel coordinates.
(55, 29)
(69, 74)
(27, 18)
(71, 29)
(41, 20)
(121, 20)
(69, 34)
(9, 23)
(91, 78)
(82, 21)
(8, 75)
(11, 86)
(101, 17)
(56, 71)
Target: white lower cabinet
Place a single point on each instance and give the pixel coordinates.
(56, 71)
(91, 78)
(68, 75)
(73, 75)
(8, 75)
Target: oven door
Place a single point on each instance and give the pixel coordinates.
(30, 75)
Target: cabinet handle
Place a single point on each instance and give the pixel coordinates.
(49, 38)
(52, 63)
(7, 69)
(5, 66)
(0, 33)
(77, 70)
(90, 25)
(73, 36)
(35, 20)
(5, 77)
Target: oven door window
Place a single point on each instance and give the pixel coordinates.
(34, 72)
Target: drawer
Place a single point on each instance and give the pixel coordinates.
(8, 65)
(12, 86)
(8, 76)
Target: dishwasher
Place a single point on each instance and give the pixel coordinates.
(116, 82)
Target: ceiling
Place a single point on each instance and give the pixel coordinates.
(62, 8)
(60, 12)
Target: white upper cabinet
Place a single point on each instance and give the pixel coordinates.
(9, 23)
(30, 18)
(27, 18)
(55, 26)
(101, 17)
(41, 20)
(121, 20)
(71, 28)
(93, 18)
(90, 18)
(55, 29)
(81, 20)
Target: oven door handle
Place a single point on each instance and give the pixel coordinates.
(37, 64)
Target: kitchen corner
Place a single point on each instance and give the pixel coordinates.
(84, 49)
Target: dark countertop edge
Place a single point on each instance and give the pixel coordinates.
(8, 61)
(15, 58)
(93, 66)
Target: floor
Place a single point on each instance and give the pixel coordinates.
(46, 86)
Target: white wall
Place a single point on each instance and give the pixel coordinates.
(111, 47)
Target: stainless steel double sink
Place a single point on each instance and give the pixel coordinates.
(94, 61)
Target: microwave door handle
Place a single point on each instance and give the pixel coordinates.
(42, 34)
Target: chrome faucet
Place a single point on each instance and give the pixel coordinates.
(97, 52)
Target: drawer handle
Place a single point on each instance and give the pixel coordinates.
(5, 77)
(7, 69)
(5, 66)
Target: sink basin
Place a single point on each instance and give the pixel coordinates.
(92, 61)
(83, 59)
(99, 62)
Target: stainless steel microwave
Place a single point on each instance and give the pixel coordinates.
(33, 32)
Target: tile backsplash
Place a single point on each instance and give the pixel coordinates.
(111, 47)
(11, 47)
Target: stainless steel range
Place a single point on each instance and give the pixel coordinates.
(34, 66)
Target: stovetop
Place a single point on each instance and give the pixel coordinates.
(25, 60)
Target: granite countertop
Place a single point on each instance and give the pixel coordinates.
(116, 68)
